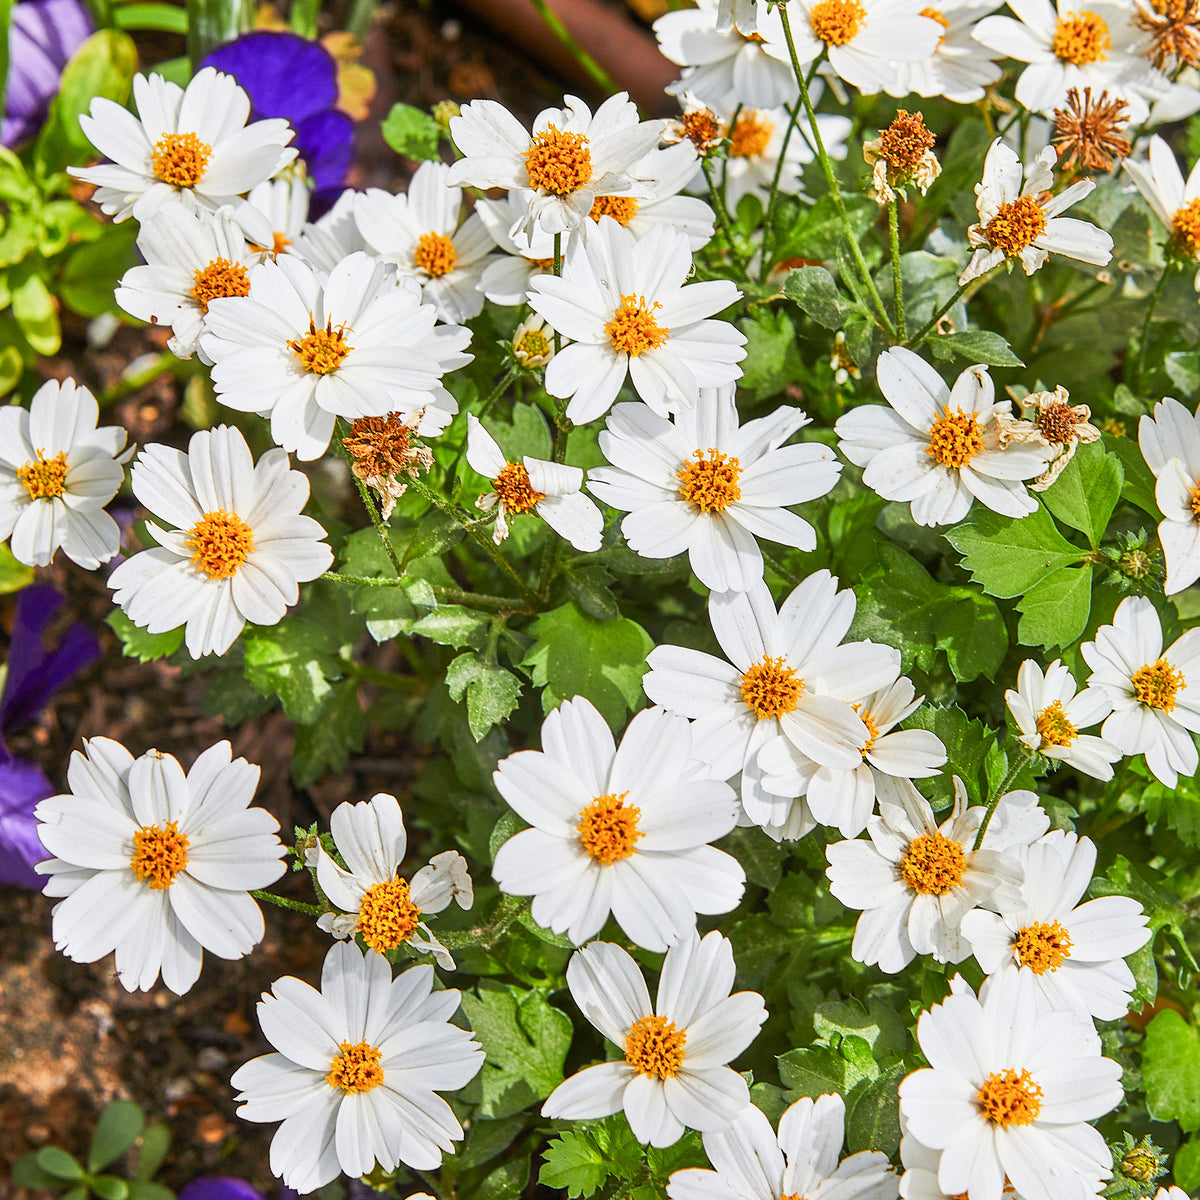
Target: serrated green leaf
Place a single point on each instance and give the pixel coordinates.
(492, 692)
(137, 643)
(119, 1126)
(881, 1028)
(1054, 612)
(328, 741)
(453, 625)
(873, 1119)
(574, 1163)
(1007, 556)
(816, 292)
(411, 132)
(975, 345)
(295, 661)
(1171, 1070)
(812, 1072)
(1087, 491)
(967, 743)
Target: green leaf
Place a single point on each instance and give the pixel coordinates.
(294, 661)
(574, 1163)
(881, 1028)
(327, 743)
(143, 1189)
(1183, 370)
(526, 1042)
(163, 18)
(92, 271)
(13, 575)
(812, 1072)
(411, 132)
(506, 1181)
(1186, 1167)
(817, 231)
(109, 1187)
(492, 692)
(1086, 493)
(816, 291)
(976, 345)
(590, 587)
(574, 654)
(1139, 479)
(1054, 612)
(1007, 556)
(1171, 1070)
(36, 314)
(156, 1140)
(873, 1119)
(27, 1173)
(118, 1128)
(967, 743)
(972, 632)
(453, 625)
(137, 643)
(487, 1139)
(772, 356)
(57, 1162)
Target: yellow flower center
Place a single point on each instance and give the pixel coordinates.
(1187, 226)
(1194, 499)
(531, 348)
(933, 864)
(955, 439)
(356, 1068)
(711, 482)
(654, 1046)
(45, 478)
(1010, 1098)
(559, 163)
(1055, 727)
(515, 491)
(1082, 39)
(608, 830)
(1157, 684)
(160, 852)
(1017, 224)
(750, 136)
(180, 159)
(220, 278)
(220, 543)
(837, 22)
(622, 209)
(321, 351)
(770, 688)
(1042, 947)
(387, 916)
(868, 719)
(435, 254)
(633, 328)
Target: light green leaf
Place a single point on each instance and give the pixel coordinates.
(1008, 555)
(34, 308)
(1171, 1070)
(816, 292)
(411, 132)
(812, 1072)
(1139, 479)
(13, 575)
(492, 692)
(57, 1162)
(873, 1119)
(575, 1163)
(327, 742)
(1087, 491)
(1186, 1167)
(967, 743)
(590, 587)
(293, 660)
(1054, 611)
(975, 345)
(137, 643)
(117, 1129)
(452, 625)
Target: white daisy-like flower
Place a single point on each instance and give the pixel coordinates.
(742, 13)
(419, 231)
(570, 158)
(306, 350)
(323, 243)
(1074, 952)
(1156, 705)
(1069, 45)
(938, 447)
(960, 68)
(1020, 220)
(788, 675)
(1171, 1193)
(1170, 443)
(57, 472)
(192, 257)
(191, 142)
(1174, 200)
(155, 864)
(915, 880)
(618, 829)
(725, 67)
(505, 280)
(237, 548)
(1050, 711)
(626, 306)
(275, 212)
(753, 1162)
(358, 1069)
(1009, 1092)
(703, 484)
(864, 39)
(552, 490)
(674, 1074)
(844, 796)
(372, 898)
(533, 343)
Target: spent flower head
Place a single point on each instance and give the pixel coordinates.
(382, 449)
(1088, 132)
(903, 155)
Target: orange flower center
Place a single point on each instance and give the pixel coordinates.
(608, 830)
(1157, 683)
(750, 136)
(955, 439)
(622, 209)
(633, 329)
(321, 351)
(356, 1068)
(1187, 227)
(1082, 39)
(654, 1046)
(770, 688)
(1055, 727)
(1017, 224)
(45, 478)
(515, 491)
(220, 278)
(837, 22)
(180, 159)
(160, 852)
(1043, 947)
(559, 163)
(1194, 499)
(435, 254)
(868, 720)
(387, 916)
(220, 543)
(1010, 1098)
(933, 864)
(711, 482)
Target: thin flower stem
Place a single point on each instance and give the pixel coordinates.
(1023, 760)
(161, 364)
(380, 524)
(897, 275)
(835, 192)
(387, 679)
(596, 72)
(961, 293)
(724, 220)
(497, 392)
(282, 902)
(1144, 341)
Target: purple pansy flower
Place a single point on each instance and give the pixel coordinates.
(289, 76)
(43, 36)
(227, 1187)
(34, 674)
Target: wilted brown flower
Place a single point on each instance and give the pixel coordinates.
(902, 154)
(1054, 423)
(382, 449)
(1089, 132)
(697, 124)
(1174, 29)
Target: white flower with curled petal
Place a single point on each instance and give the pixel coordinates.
(674, 1075)
(938, 447)
(157, 865)
(549, 489)
(960, 68)
(374, 901)
(704, 484)
(275, 212)
(1175, 200)
(1170, 443)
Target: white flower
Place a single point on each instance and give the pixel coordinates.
(1073, 45)
(915, 880)
(571, 157)
(192, 258)
(306, 350)
(621, 829)
(505, 280)
(1175, 201)
(1009, 1090)
(940, 447)
(1020, 220)
(1050, 712)
(626, 306)
(237, 547)
(374, 902)
(325, 242)
(192, 142)
(1171, 1193)
(960, 68)
(703, 484)
(1156, 706)
(754, 1163)
(419, 232)
(742, 13)
(359, 1067)
(552, 490)
(1074, 952)
(673, 1076)
(1170, 444)
(275, 212)
(157, 865)
(533, 343)
(788, 674)
(57, 472)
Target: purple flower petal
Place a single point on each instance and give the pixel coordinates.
(326, 143)
(22, 785)
(43, 36)
(220, 1187)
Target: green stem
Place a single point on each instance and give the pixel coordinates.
(1023, 760)
(211, 22)
(897, 275)
(1144, 340)
(599, 76)
(562, 430)
(364, 493)
(282, 902)
(387, 679)
(510, 909)
(501, 604)
(787, 576)
(724, 221)
(497, 392)
(971, 286)
(362, 16)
